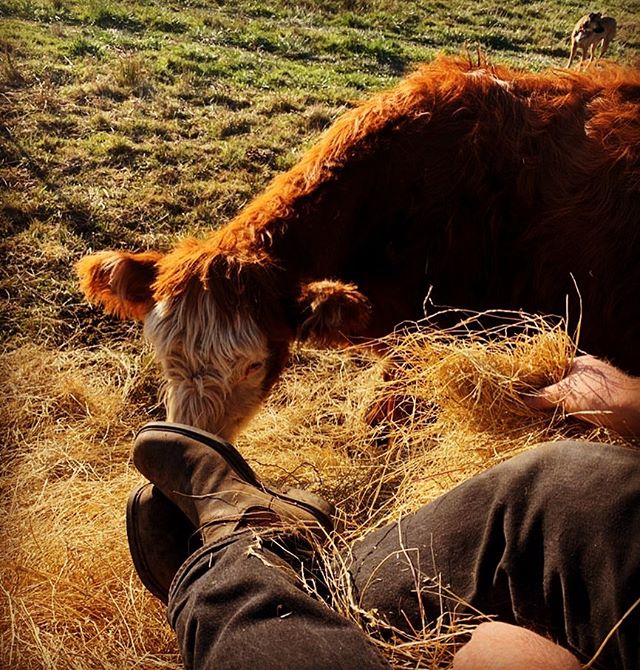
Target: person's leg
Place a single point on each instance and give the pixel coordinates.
(240, 605)
(237, 602)
(547, 540)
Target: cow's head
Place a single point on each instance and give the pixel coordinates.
(220, 325)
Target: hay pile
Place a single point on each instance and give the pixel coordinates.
(69, 596)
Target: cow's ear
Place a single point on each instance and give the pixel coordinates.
(331, 312)
(120, 281)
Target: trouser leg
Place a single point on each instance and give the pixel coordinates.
(240, 606)
(549, 540)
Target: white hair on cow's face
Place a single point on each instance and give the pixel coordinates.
(214, 361)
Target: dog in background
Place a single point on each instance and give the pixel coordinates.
(592, 30)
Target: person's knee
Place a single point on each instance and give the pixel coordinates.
(500, 645)
(584, 464)
(572, 485)
(566, 454)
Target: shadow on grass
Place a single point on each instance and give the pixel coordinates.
(503, 43)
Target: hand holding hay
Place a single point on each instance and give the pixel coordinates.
(597, 393)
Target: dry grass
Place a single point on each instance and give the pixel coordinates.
(69, 596)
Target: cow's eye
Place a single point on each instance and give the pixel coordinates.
(254, 367)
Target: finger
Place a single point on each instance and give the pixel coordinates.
(464, 659)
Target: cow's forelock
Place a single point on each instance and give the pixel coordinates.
(204, 352)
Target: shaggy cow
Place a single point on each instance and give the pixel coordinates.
(496, 188)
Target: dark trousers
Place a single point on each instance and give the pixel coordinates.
(549, 540)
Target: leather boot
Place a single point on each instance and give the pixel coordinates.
(216, 491)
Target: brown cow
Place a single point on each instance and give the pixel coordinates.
(497, 188)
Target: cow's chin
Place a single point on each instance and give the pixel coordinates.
(202, 411)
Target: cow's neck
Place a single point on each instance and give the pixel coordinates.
(308, 236)
(308, 219)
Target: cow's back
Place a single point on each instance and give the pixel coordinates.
(510, 191)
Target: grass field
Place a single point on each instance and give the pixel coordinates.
(132, 124)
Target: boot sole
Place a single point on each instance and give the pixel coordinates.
(147, 502)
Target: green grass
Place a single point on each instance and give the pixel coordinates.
(129, 124)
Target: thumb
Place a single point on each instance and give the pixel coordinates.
(549, 397)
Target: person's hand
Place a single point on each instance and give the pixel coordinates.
(501, 646)
(596, 392)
